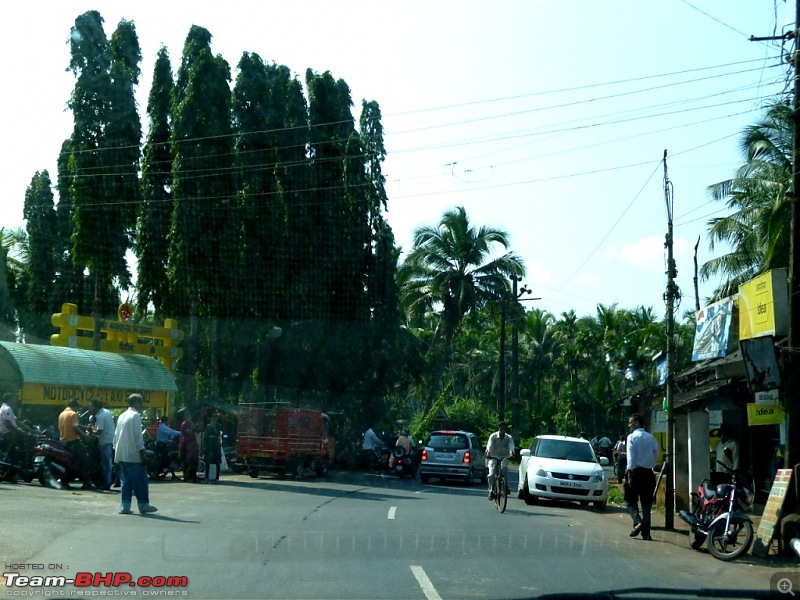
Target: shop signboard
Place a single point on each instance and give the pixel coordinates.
(764, 305)
(713, 336)
(759, 414)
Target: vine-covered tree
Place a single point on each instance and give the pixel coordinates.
(104, 163)
(156, 210)
(205, 226)
(43, 258)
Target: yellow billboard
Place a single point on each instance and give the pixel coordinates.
(58, 395)
(764, 305)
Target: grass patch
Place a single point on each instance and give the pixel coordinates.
(615, 495)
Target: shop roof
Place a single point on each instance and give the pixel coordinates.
(32, 363)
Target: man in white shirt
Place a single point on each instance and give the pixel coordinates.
(726, 442)
(132, 460)
(642, 451)
(500, 445)
(11, 430)
(104, 429)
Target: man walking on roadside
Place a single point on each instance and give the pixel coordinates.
(642, 455)
(130, 455)
(104, 428)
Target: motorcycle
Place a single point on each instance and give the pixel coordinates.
(405, 463)
(56, 465)
(719, 517)
(162, 458)
(16, 456)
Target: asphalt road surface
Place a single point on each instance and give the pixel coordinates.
(349, 535)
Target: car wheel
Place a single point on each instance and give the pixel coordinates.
(599, 506)
(584, 503)
(526, 493)
(484, 478)
(470, 476)
(253, 472)
(424, 478)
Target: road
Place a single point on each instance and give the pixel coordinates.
(349, 535)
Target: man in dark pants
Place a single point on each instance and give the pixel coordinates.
(642, 451)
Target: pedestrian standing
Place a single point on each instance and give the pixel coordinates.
(104, 429)
(71, 433)
(621, 458)
(131, 457)
(188, 449)
(212, 449)
(727, 449)
(642, 456)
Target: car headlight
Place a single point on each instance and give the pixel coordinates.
(541, 472)
(599, 476)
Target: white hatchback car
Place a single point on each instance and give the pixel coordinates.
(562, 468)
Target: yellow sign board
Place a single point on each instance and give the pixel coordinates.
(764, 305)
(121, 337)
(59, 395)
(760, 414)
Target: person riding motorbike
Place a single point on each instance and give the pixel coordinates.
(372, 446)
(499, 446)
(12, 432)
(403, 441)
(166, 439)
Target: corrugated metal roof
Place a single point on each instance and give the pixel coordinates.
(72, 366)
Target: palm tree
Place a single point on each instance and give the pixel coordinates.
(757, 230)
(538, 352)
(450, 268)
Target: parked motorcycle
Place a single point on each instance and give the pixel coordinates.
(56, 465)
(405, 463)
(719, 517)
(16, 456)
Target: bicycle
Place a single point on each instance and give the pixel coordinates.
(500, 488)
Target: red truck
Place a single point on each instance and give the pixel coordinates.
(284, 440)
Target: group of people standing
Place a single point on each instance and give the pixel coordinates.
(122, 443)
(189, 447)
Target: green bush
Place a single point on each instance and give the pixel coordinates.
(615, 495)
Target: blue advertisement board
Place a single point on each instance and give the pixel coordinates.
(713, 334)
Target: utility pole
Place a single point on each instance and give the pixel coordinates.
(501, 384)
(516, 297)
(670, 296)
(790, 361)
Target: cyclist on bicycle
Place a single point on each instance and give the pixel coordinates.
(500, 446)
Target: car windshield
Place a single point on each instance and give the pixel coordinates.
(448, 442)
(565, 450)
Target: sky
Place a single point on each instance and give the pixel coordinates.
(546, 119)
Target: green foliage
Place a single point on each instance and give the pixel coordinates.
(615, 495)
(151, 245)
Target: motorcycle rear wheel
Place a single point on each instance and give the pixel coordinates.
(735, 543)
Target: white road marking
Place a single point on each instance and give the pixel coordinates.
(391, 512)
(425, 583)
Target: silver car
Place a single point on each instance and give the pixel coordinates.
(450, 454)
